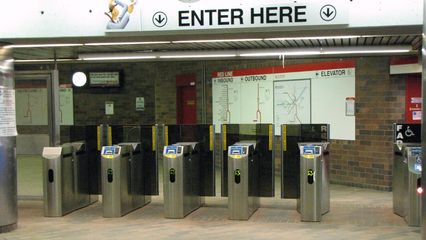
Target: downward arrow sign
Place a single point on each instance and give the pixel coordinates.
(328, 13)
(160, 19)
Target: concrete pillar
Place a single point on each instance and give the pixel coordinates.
(8, 185)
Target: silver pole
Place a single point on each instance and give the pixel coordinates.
(53, 108)
(423, 225)
(8, 183)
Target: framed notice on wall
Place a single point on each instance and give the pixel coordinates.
(350, 106)
(105, 79)
(413, 100)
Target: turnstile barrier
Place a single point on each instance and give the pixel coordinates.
(243, 180)
(291, 135)
(97, 136)
(314, 181)
(203, 134)
(181, 179)
(263, 135)
(122, 180)
(405, 136)
(66, 183)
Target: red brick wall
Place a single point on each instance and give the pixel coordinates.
(367, 161)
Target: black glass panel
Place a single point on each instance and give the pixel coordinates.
(202, 134)
(262, 134)
(89, 169)
(148, 139)
(266, 160)
(145, 168)
(253, 171)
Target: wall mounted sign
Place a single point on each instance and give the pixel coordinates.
(109, 108)
(350, 106)
(296, 94)
(407, 133)
(104, 79)
(7, 113)
(170, 15)
(140, 104)
(413, 100)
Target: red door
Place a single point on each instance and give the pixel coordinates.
(186, 105)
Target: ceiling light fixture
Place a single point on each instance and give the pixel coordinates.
(43, 60)
(198, 56)
(44, 45)
(284, 52)
(110, 58)
(312, 38)
(219, 40)
(124, 43)
(247, 53)
(367, 51)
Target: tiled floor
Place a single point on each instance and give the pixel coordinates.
(355, 214)
(29, 174)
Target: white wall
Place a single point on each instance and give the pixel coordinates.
(23, 18)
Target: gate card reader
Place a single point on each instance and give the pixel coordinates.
(110, 151)
(181, 179)
(243, 174)
(414, 156)
(314, 181)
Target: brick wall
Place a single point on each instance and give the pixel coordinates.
(366, 162)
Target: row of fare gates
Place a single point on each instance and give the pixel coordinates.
(101, 161)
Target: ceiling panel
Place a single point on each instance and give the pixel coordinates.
(73, 52)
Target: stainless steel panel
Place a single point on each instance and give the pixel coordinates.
(413, 205)
(119, 196)
(310, 194)
(314, 183)
(238, 197)
(181, 194)
(52, 182)
(173, 191)
(65, 179)
(399, 182)
(8, 184)
(243, 197)
(112, 199)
